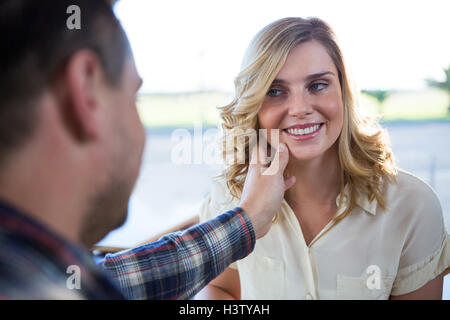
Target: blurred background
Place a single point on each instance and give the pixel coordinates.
(188, 53)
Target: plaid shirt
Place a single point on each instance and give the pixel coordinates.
(35, 263)
(180, 264)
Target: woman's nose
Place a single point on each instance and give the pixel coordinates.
(298, 106)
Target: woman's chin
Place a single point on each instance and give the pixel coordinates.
(303, 155)
(302, 158)
(308, 153)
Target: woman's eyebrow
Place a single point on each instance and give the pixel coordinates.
(307, 78)
(279, 81)
(318, 75)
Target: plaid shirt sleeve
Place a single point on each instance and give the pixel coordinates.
(180, 264)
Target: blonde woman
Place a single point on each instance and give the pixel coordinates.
(353, 226)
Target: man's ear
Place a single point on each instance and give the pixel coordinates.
(83, 81)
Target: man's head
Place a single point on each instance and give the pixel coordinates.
(75, 91)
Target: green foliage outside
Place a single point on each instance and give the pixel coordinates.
(414, 105)
(443, 85)
(185, 110)
(380, 96)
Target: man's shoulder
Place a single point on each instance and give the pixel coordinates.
(30, 269)
(28, 272)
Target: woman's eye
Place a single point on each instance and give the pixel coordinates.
(318, 86)
(274, 92)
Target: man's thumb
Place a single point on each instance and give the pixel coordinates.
(283, 155)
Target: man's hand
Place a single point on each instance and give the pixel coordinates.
(262, 194)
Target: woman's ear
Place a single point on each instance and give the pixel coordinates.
(81, 82)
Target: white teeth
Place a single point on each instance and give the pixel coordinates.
(300, 132)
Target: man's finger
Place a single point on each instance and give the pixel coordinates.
(258, 155)
(279, 162)
(262, 149)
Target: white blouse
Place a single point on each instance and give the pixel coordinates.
(370, 254)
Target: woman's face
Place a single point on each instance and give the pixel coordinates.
(305, 102)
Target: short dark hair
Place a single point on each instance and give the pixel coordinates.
(37, 43)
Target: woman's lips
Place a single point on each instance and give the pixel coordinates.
(304, 134)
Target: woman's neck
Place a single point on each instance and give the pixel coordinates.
(318, 180)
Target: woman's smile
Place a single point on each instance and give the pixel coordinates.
(303, 132)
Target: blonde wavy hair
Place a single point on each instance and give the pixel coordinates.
(363, 145)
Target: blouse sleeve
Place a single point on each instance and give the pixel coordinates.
(217, 201)
(426, 250)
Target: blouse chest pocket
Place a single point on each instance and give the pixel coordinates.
(261, 277)
(360, 288)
